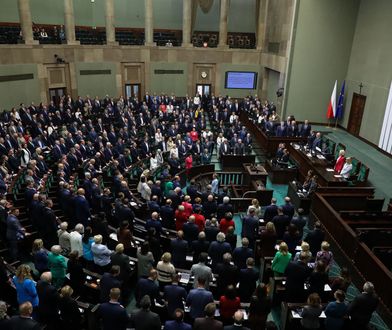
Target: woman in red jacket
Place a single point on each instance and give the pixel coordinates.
(228, 305)
(188, 164)
(340, 161)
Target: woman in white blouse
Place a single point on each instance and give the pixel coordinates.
(347, 167)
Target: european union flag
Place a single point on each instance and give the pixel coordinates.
(339, 109)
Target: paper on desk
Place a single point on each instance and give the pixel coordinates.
(309, 154)
(320, 157)
(337, 176)
(330, 170)
(327, 287)
(189, 258)
(184, 278)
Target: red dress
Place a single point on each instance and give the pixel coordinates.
(188, 208)
(224, 225)
(200, 221)
(339, 163)
(181, 218)
(228, 307)
(188, 164)
(194, 136)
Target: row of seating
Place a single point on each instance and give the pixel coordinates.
(234, 40)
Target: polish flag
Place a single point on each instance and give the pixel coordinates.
(331, 113)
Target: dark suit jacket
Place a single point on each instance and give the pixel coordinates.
(235, 327)
(145, 320)
(21, 323)
(179, 250)
(114, 316)
(48, 301)
(174, 295)
(296, 274)
(247, 278)
(362, 307)
(107, 283)
(174, 325)
(203, 323)
(270, 212)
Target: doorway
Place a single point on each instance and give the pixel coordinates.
(356, 113)
(203, 89)
(132, 90)
(56, 94)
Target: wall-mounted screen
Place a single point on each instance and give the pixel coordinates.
(240, 80)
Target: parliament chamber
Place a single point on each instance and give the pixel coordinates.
(181, 164)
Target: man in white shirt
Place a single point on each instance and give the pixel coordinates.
(76, 239)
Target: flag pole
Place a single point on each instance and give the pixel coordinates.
(336, 123)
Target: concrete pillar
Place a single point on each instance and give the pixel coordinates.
(187, 23)
(224, 13)
(26, 22)
(109, 17)
(262, 24)
(69, 21)
(148, 24)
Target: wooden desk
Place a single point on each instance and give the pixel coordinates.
(257, 173)
(318, 166)
(280, 175)
(235, 162)
(268, 143)
(299, 202)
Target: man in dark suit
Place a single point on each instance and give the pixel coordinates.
(82, 208)
(48, 309)
(200, 245)
(217, 249)
(242, 253)
(23, 321)
(296, 274)
(315, 237)
(198, 299)
(224, 208)
(247, 278)
(238, 318)
(281, 221)
(239, 148)
(178, 322)
(271, 211)
(109, 281)
(305, 129)
(250, 226)
(167, 215)
(191, 230)
(300, 220)
(179, 249)
(209, 207)
(147, 286)
(174, 295)
(144, 319)
(288, 208)
(317, 143)
(362, 307)
(208, 322)
(113, 315)
(227, 273)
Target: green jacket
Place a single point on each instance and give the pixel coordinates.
(57, 265)
(280, 262)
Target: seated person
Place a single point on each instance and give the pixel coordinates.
(347, 167)
(340, 161)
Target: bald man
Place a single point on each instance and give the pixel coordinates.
(48, 311)
(238, 319)
(23, 321)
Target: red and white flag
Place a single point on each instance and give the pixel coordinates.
(331, 113)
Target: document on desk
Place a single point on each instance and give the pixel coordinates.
(330, 170)
(337, 176)
(296, 315)
(320, 157)
(184, 278)
(327, 287)
(309, 155)
(296, 146)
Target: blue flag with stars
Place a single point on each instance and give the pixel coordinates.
(339, 108)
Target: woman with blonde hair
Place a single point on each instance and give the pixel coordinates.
(40, 256)
(256, 205)
(305, 247)
(325, 255)
(69, 310)
(25, 286)
(281, 259)
(165, 269)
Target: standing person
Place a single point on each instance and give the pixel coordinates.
(57, 266)
(87, 242)
(229, 303)
(208, 322)
(174, 295)
(40, 255)
(188, 165)
(335, 312)
(198, 299)
(101, 254)
(114, 316)
(215, 184)
(48, 311)
(178, 322)
(259, 308)
(281, 259)
(144, 319)
(69, 310)
(15, 232)
(165, 270)
(363, 306)
(24, 320)
(311, 312)
(25, 286)
(145, 260)
(238, 319)
(247, 280)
